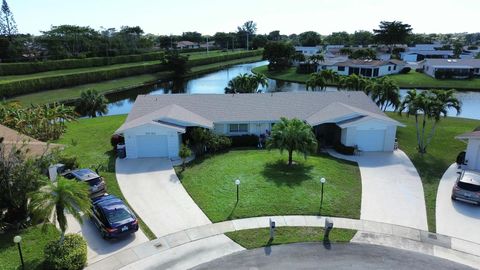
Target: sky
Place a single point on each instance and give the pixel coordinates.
(210, 16)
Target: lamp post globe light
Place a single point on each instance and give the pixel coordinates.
(323, 181)
(17, 239)
(237, 183)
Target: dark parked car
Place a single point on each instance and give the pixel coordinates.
(113, 218)
(467, 188)
(96, 183)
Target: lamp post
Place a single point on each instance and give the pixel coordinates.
(237, 183)
(323, 181)
(17, 239)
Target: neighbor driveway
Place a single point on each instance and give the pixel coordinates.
(454, 218)
(392, 190)
(153, 190)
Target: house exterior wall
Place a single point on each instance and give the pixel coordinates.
(472, 156)
(349, 134)
(256, 128)
(131, 139)
(409, 57)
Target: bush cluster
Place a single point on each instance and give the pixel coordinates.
(218, 143)
(405, 70)
(43, 66)
(69, 255)
(244, 141)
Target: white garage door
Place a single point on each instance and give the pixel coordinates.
(370, 140)
(152, 146)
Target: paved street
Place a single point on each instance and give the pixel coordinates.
(454, 218)
(338, 256)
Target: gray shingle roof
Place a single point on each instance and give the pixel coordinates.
(268, 107)
(465, 63)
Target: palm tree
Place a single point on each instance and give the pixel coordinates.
(261, 79)
(384, 92)
(58, 198)
(92, 103)
(330, 75)
(292, 135)
(316, 58)
(315, 81)
(246, 83)
(353, 82)
(429, 104)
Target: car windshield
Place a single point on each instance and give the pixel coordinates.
(468, 186)
(94, 181)
(118, 214)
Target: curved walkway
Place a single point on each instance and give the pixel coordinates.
(392, 190)
(171, 250)
(455, 218)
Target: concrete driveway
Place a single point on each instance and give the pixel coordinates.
(392, 191)
(454, 218)
(97, 247)
(153, 190)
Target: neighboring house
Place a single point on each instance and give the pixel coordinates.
(456, 68)
(308, 51)
(155, 125)
(431, 51)
(366, 68)
(472, 155)
(15, 140)
(187, 45)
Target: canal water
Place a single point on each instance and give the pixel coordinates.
(215, 83)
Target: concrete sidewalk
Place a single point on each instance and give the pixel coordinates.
(155, 193)
(457, 250)
(392, 190)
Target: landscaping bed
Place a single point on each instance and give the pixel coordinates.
(255, 238)
(269, 187)
(441, 153)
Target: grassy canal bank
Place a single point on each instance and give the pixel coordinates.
(411, 80)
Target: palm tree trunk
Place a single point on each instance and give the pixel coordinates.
(418, 131)
(290, 157)
(430, 135)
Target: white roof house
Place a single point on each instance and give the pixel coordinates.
(366, 68)
(472, 155)
(308, 50)
(155, 125)
(459, 67)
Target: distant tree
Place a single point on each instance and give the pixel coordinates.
(316, 58)
(246, 83)
(178, 63)
(259, 41)
(292, 135)
(414, 39)
(363, 54)
(457, 49)
(192, 36)
(223, 40)
(362, 38)
(430, 105)
(8, 26)
(300, 57)
(57, 199)
(248, 27)
(346, 51)
(279, 54)
(338, 38)
(392, 33)
(274, 36)
(184, 153)
(310, 38)
(91, 104)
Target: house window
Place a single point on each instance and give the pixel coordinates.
(477, 70)
(238, 128)
(389, 68)
(395, 67)
(375, 72)
(341, 68)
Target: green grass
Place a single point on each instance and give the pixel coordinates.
(441, 153)
(72, 93)
(411, 80)
(33, 243)
(256, 238)
(270, 187)
(89, 140)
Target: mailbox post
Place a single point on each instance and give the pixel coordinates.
(328, 228)
(272, 229)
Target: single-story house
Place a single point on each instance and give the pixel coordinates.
(187, 45)
(15, 140)
(458, 68)
(472, 155)
(366, 68)
(308, 50)
(155, 125)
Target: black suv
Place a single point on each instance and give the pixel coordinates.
(96, 182)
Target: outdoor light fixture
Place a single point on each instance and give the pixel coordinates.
(237, 183)
(323, 181)
(17, 239)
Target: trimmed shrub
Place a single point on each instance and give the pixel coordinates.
(218, 143)
(69, 161)
(346, 150)
(69, 255)
(405, 70)
(116, 140)
(34, 67)
(244, 140)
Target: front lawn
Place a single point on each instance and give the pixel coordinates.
(256, 238)
(89, 140)
(441, 153)
(269, 187)
(34, 240)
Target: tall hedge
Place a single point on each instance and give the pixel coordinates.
(43, 66)
(222, 58)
